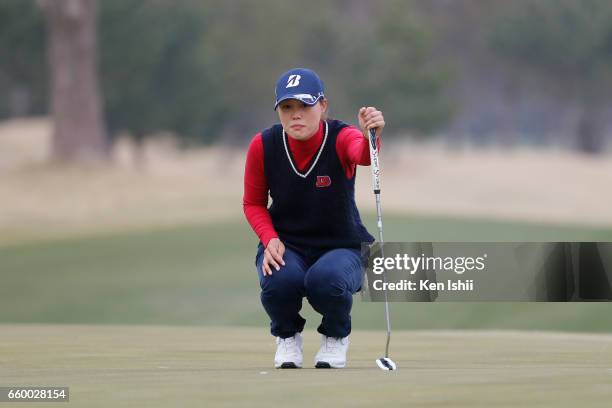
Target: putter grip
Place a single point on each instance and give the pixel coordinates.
(374, 164)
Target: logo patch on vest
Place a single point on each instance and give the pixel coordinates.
(323, 181)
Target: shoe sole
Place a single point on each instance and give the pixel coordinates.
(288, 365)
(325, 364)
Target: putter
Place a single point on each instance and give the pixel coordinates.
(385, 363)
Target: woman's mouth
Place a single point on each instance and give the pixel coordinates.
(297, 127)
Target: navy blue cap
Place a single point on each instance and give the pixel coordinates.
(301, 84)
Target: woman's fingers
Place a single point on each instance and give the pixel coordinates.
(265, 268)
(374, 117)
(368, 112)
(271, 261)
(370, 117)
(377, 123)
(276, 250)
(280, 252)
(273, 255)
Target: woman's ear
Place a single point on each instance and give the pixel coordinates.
(323, 103)
(324, 106)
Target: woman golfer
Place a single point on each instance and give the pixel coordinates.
(310, 237)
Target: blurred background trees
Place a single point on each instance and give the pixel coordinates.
(526, 71)
(569, 46)
(23, 68)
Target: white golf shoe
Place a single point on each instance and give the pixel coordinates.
(332, 353)
(289, 352)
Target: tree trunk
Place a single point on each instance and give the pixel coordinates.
(79, 133)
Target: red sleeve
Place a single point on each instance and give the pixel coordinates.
(255, 198)
(352, 149)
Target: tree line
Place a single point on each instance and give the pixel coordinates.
(205, 70)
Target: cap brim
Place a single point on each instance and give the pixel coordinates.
(307, 99)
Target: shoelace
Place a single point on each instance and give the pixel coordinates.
(332, 343)
(288, 343)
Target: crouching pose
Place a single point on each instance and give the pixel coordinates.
(310, 236)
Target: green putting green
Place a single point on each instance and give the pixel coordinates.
(161, 366)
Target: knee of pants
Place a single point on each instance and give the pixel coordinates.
(282, 285)
(325, 282)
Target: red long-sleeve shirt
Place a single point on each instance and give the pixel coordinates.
(352, 150)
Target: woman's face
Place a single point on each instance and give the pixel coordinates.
(299, 120)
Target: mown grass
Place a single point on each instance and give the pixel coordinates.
(157, 366)
(204, 274)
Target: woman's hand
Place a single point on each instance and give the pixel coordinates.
(273, 255)
(370, 117)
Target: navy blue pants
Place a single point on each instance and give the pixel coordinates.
(328, 279)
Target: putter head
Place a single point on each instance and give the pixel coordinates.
(385, 363)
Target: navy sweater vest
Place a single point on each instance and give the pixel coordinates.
(315, 208)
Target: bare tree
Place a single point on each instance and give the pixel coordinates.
(79, 133)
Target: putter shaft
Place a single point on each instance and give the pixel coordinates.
(376, 187)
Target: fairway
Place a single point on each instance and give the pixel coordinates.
(160, 366)
(205, 275)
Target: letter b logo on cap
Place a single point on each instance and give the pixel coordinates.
(293, 80)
